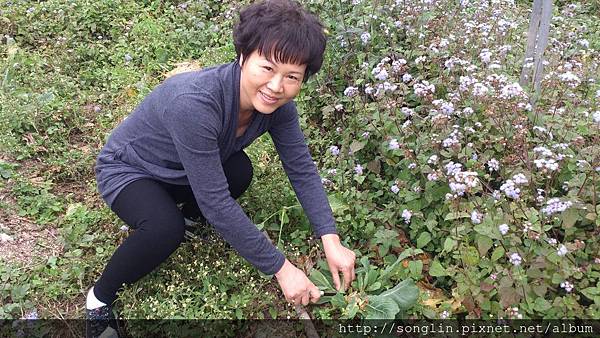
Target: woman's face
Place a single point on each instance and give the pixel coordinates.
(266, 85)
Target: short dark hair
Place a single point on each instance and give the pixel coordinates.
(281, 30)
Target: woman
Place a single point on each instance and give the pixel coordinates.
(184, 144)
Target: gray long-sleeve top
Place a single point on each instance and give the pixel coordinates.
(184, 130)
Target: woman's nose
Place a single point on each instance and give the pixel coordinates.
(275, 84)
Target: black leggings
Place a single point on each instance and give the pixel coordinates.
(150, 207)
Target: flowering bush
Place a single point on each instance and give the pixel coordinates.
(501, 194)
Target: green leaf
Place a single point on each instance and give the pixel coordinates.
(456, 215)
(484, 244)
(356, 146)
(470, 256)
(339, 301)
(569, 217)
(380, 307)
(416, 268)
(541, 305)
(436, 269)
(374, 287)
(405, 294)
(498, 253)
(449, 244)
(351, 310)
(320, 281)
(424, 239)
(337, 205)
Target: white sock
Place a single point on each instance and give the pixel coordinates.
(91, 301)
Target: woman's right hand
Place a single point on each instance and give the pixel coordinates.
(296, 287)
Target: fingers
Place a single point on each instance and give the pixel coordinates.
(349, 276)
(315, 294)
(336, 277)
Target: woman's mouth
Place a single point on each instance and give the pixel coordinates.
(268, 99)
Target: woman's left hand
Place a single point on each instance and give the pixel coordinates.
(339, 259)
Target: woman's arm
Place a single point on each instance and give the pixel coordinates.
(302, 172)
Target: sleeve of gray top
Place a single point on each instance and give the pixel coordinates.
(194, 122)
(301, 170)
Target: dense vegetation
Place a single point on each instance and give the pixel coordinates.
(446, 181)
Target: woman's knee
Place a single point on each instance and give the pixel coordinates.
(238, 171)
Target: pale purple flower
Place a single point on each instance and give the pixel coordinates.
(365, 37)
(358, 169)
(393, 145)
(406, 214)
(412, 165)
(124, 228)
(555, 205)
(395, 189)
(515, 259)
(406, 78)
(493, 165)
(334, 150)
(476, 217)
(562, 250)
(445, 314)
(503, 228)
(351, 91)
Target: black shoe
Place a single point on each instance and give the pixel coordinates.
(101, 322)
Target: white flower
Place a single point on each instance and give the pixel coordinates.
(512, 90)
(124, 228)
(406, 214)
(433, 176)
(365, 37)
(510, 190)
(406, 78)
(433, 159)
(570, 79)
(485, 55)
(503, 228)
(519, 179)
(339, 107)
(334, 150)
(555, 205)
(382, 75)
(423, 88)
(493, 165)
(365, 134)
(393, 145)
(562, 250)
(351, 91)
(452, 168)
(395, 189)
(552, 241)
(515, 259)
(412, 165)
(567, 286)
(476, 217)
(127, 58)
(445, 314)
(332, 172)
(596, 116)
(358, 169)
